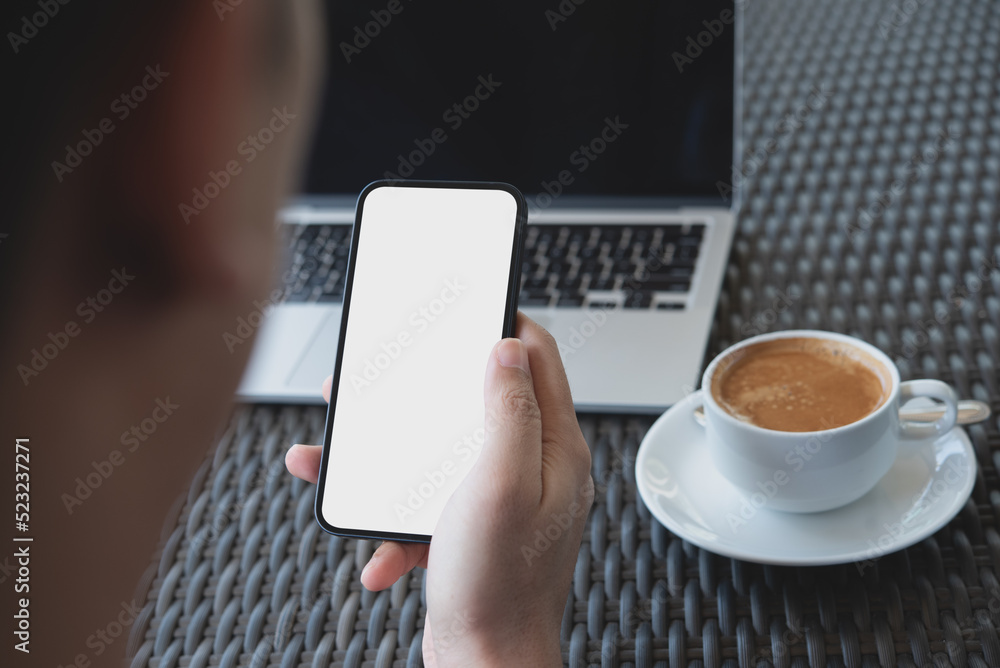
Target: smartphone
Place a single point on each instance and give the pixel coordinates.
(432, 285)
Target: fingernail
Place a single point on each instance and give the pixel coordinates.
(512, 353)
(369, 565)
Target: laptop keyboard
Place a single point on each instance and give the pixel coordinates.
(630, 266)
(609, 266)
(317, 262)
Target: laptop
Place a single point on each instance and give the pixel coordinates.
(618, 122)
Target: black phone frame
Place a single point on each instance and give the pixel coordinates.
(509, 325)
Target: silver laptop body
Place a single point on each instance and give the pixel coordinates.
(618, 358)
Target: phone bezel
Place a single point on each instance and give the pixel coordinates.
(509, 323)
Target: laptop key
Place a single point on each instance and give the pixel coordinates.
(676, 271)
(666, 285)
(626, 267)
(605, 283)
(569, 285)
(535, 284)
(611, 234)
(684, 253)
(534, 300)
(638, 299)
(621, 254)
(570, 300)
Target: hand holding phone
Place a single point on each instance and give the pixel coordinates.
(432, 284)
(507, 525)
(501, 562)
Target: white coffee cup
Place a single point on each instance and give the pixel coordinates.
(814, 471)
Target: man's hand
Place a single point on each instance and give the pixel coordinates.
(501, 559)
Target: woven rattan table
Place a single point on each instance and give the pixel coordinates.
(857, 95)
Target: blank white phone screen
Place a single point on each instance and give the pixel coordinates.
(427, 306)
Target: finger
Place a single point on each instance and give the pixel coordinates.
(565, 447)
(511, 456)
(303, 461)
(390, 562)
(551, 386)
(328, 388)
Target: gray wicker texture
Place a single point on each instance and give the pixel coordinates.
(247, 577)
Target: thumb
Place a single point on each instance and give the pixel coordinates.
(512, 451)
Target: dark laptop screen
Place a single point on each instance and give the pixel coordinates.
(575, 97)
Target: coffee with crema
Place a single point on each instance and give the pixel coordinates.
(800, 384)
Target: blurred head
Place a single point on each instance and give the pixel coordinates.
(148, 146)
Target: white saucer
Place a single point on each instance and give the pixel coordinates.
(926, 487)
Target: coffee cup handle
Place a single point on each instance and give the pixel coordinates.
(934, 389)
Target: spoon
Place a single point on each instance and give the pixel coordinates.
(970, 411)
